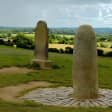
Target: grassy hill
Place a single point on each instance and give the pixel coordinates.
(60, 75)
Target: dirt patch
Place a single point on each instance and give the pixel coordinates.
(10, 93)
(13, 70)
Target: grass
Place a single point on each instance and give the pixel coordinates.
(19, 57)
(33, 107)
(14, 57)
(60, 75)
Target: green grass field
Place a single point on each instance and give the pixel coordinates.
(60, 75)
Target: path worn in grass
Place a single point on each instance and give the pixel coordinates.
(10, 93)
(17, 70)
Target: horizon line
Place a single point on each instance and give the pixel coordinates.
(49, 27)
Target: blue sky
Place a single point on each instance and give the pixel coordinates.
(57, 13)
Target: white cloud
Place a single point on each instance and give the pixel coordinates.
(105, 14)
(56, 12)
(75, 2)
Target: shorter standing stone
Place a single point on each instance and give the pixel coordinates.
(41, 46)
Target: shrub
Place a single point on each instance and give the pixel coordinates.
(100, 52)
(110, 46)
(9, 43)
(34, 65)
(55, 66)
(53, 50)
(61, 50)
(108, 54)
(1, 41)
(69, 50)
(103, 45)
(23, 42)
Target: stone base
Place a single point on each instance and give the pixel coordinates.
(43, 64)
(61, 96)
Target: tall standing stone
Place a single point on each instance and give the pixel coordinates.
(41, 45)
(85, 80)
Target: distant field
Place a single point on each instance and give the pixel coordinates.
(60, 46)
(105, 49)
(105, 43)
(62, 35)
(31, 36)
(63, 46)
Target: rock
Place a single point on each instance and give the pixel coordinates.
(84, 65)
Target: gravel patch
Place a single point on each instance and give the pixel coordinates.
(61, 97)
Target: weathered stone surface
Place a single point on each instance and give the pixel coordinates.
(41, 45)
(84, 66)
(61, 96)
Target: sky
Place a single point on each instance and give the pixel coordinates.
(57, 13)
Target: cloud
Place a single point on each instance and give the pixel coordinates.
(91, 1)
(56, 12)
(105, 14)
(75, 2)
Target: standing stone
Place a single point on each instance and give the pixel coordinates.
(85, 80)
(41, 45)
